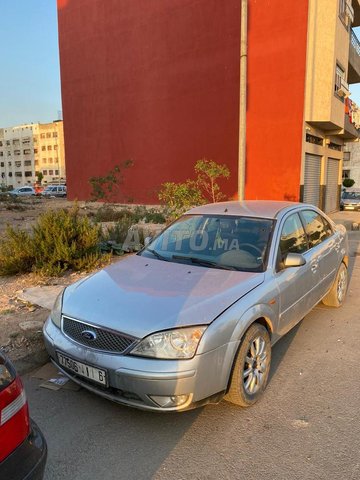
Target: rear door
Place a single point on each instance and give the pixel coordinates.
(324, 247)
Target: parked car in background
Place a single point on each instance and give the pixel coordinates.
(350, 199)
(23, 449)
(22, 192)
(192, 317)
(54, 191)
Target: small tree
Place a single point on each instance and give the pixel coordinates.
(348, 182)
(40, 177)
(104, 188)
(208, 173)
(179, 197)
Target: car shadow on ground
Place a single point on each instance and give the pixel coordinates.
(280, 348)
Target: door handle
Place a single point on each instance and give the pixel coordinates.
(314, 267)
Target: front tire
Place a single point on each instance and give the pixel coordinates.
(336, 296)
(251, 367)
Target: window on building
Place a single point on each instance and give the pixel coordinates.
(17, 152)
(339, 78)
(51, 172)
(346, 156)
(48, 135)
(50, 159)
(55, 147)
(7, 142)
(18, 174)
(9, 164)
(1, 154)
(28, 174)
(1, 144)
(44, 172)
(35, 150)
(18, 163)
(55, 134)
(35, 139)
(10, 174)
(43, 148)
(314, 139)
(42, 135)
(56, 172)
(49, 147)
(44, 160)
(27, 163)
(9, 154)
(2, 164)
(346, 174)
(36, 162)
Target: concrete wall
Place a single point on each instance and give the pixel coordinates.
(276, 84)
(153, 81)
(354, 164)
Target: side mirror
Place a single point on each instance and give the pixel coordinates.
(294, 260)
(147, 240)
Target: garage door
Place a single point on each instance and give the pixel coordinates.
(312, 179)
(332, 177)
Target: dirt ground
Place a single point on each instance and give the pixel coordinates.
(23, 213)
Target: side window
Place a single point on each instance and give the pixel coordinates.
(293, 238)
(314, 227)
(327, 227)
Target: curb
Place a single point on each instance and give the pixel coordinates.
(31, 361)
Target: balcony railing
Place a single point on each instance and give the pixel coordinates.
(355, 42)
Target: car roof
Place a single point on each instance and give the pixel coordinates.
(248, 208)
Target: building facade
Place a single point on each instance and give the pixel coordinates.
(157, 82)
(26, 150)
(351, 167)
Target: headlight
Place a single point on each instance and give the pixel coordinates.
(171, 344)
(55, 314)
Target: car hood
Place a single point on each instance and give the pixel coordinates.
(139, 296)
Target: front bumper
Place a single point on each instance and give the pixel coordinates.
(134, 380)
(27, 462)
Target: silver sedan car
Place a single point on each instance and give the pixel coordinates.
(192, 317)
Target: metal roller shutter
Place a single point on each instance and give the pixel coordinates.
(312, 179)
(332, 178)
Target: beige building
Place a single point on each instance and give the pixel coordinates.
(351, 167)
(26, 150)
(335, 50)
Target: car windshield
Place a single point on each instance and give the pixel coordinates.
(215, 241)
(351, 195)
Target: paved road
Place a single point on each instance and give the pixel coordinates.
(307, 426)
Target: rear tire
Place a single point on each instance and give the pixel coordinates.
(336, 296)
(251, 367)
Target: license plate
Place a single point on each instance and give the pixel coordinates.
(95, 374)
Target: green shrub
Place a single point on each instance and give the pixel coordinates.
(65, 240)
(179, 197)
(348, 182)
(60, 240)
(124, 236)
(107, 213)
(16, 252)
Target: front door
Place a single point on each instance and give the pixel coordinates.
(296, 285)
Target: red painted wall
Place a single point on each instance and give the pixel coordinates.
(276, 83)
(155, 81)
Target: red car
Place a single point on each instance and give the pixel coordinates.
(23, 449)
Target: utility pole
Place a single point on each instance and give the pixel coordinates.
(243, 96)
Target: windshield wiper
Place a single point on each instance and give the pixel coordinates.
(156, 254)
(204, 263)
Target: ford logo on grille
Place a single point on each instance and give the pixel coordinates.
(89, 335)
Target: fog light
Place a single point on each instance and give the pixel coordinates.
(168, 402)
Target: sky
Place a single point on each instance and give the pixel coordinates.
(29, 62)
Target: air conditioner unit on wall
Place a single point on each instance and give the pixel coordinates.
(343, 91)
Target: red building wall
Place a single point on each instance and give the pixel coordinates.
(155, 81)
(277, 39)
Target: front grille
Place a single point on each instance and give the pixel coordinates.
(105, 340)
